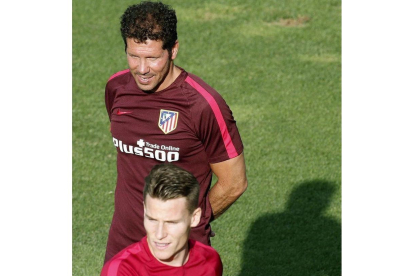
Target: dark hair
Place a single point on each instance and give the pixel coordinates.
(167, 181)
(150, 20)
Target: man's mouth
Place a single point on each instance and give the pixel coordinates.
(161, 246)
(144, 79)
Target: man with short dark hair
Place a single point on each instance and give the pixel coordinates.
(170, 211)
(161, 113)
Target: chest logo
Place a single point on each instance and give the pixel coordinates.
(168, 120)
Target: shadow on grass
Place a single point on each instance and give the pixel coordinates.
(299, 241)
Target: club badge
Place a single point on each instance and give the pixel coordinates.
(168, 120)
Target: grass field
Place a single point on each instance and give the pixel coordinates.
(278, 66)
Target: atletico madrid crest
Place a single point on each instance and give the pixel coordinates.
(168, 120)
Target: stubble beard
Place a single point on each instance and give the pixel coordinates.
(170, 69)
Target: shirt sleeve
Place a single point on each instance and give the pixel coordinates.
(109, 99)
(122, 269)
(110, 90)
(215, 124)
(218, 266)
(122, 264)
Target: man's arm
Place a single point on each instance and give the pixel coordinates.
(231, 184)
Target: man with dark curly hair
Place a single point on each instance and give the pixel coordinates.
(161, 113)
(170, 210)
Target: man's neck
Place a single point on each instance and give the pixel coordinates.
(179, 259)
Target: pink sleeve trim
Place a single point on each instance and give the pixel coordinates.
(118, 74)
(228, 143)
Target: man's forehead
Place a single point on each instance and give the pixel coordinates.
(171, 209)
(149, 46)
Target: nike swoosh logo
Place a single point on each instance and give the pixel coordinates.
(119, 112)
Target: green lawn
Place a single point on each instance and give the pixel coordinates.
(278, 66)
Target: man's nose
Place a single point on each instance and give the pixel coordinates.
(143, 67)
(161, 233)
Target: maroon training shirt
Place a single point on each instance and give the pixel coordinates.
(188, 124)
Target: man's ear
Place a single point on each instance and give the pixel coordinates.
(174, 50)
(195, 219)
